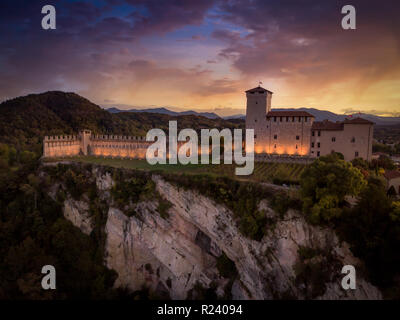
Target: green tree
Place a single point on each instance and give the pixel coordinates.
(395, 212)
(325, 184)
(372, 228)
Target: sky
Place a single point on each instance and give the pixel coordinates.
(203, 54)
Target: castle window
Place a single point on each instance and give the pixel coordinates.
(319, 133)
(256, 102)
(297, 137)
(287, 119)
(274, 145)
(275, 136)
(299, 119)
(292, 119)
(319, 145)
(353, 139)
(318, 153)
(255, 120)
(356, 154)
(280, 119)
(274, 119)
(296, 146)
(255, 136)
(313, 133)
(312, 144)
(333, 139)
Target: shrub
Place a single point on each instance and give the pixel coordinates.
(163, 207)
(226, 266)
(324, 185)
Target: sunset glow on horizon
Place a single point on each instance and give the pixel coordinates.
(203, 55)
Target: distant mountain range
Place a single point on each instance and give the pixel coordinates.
(210, 115)
(318, 114)
(323, 114)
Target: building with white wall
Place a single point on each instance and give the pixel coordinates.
(296, 133)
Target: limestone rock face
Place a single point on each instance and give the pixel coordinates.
(77, 213)
(174, 255)
(103, 182)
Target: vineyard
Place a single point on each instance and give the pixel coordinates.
(275, 172)
(272, 172)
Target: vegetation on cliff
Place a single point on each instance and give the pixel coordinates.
(371, 226)
(34, 233)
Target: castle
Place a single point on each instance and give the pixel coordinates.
(296, 134)
(283, 134)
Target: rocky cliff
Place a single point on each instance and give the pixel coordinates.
(182, 254)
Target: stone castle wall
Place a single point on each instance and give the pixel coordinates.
(353, 141)
(98, 145)
(119, 146)
(287, 135)
(61, 146)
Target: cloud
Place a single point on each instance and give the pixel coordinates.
(300, 50)
(91, 43)
(127, 51)
(226, 35)
(167, 16)
(382, 113)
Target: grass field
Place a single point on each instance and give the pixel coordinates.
(263, 171)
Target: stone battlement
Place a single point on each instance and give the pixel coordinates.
(117, 138)
(95, 137)
(61, 138)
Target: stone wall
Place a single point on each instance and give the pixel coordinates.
(353, 141)
(61, 146)
(288, 135)
(98, 145)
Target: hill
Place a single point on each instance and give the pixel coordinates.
(24, 121)
(210, 115)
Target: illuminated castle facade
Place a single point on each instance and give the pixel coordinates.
(86, 143)
(296, 133)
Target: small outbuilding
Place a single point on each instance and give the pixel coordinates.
(393, 180)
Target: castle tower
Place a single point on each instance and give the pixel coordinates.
(258, 105)
(85, 141)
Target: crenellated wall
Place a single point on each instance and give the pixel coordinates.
(119, 146)
(61, 146)
(98, 145)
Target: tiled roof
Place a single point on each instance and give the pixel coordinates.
(326, 125)
(258, 89)
(289, 113)
(329, 125)
(357, 120)
(391, 174)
